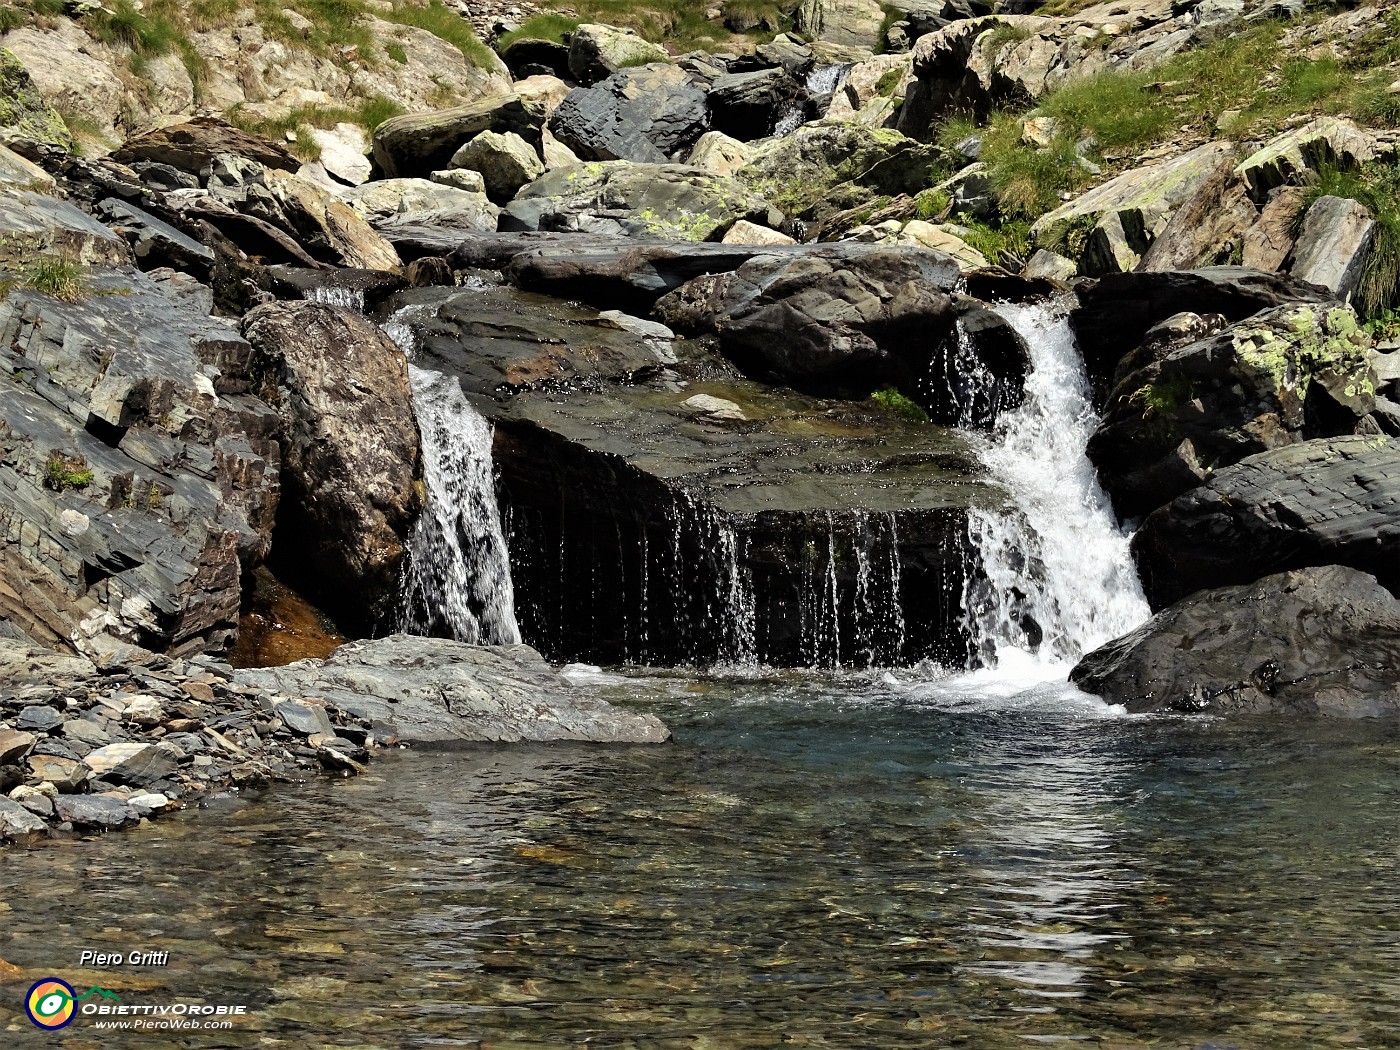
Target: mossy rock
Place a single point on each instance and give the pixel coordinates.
(23, 112)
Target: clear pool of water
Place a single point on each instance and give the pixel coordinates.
(839, 861)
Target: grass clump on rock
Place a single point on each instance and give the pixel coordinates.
(892, 401)
(64, 473)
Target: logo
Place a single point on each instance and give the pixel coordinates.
(50, 1003)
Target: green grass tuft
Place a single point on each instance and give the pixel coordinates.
(891, 400)
(56, 277)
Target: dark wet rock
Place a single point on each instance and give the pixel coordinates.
(1326, 502)
(746, 105)
(440, 691)
(645, 114)
(1284, 375)
(95, 812)
(671, 202)
(164, 177)
(415, 145)
(824, 327)
(155, 243)
(351, 467)
(432, 271)
(1315, 641)
(502, 338)
(305, 719)
(193, 146)
(1116, 311)
(526, 56)
(597, 470)
(138, 477)
(358, 288)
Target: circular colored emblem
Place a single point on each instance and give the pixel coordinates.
(50, 1003)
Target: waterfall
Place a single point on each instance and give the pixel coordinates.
(1056, 577)
(823, 80)
(349, 298)
(458, 577)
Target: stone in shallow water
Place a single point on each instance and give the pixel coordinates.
(16, 821)
(95, 811)
(306, 719)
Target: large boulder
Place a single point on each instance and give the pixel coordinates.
(37, 226)
(505, 162)
(389, 203)
(1292, 156)
(1334, 245)
(414, 145)
(193, 146)
(748, 105)
(843, 326)
(1111, 227)
(1325, 502)
(1181, 411)
(651, 201)
(1116, 311)
(351, 467)
(687, 510)
(1315, 641)
(138, 477)
(24, 114)
(646, 114)
(829, 164)
(848, 23)
(598, 51)
(438, 691)
(719, 154)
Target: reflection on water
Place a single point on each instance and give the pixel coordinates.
(853, 863)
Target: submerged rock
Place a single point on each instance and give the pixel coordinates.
(1315, 641)
(434, 690)
(1332, 502)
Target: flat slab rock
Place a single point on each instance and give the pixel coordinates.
(432, 690)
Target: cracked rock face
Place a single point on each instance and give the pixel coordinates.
(135, 469)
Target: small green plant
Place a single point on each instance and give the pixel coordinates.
(153, 496)
(889, 82)
(62, 473)
(56, 277)
(931, 205)
(891, 400)
(396, 53)
(1161, 398)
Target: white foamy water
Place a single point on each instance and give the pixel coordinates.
(1056, 577)
(458, 576)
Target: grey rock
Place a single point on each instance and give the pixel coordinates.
(1290, 157)
(139, 765)
(650, 201)
(1315, 641)
(644, 115)
(305, 719)
(153, 242)
(389, 203)
(1325, 502)
(597, 51)
(439, 691)
(746, 105)
(151, 398)
(95, 812)
(36, 225)
(18, 822)
(26, 113)
(66, 774)
(86, 732)
(506, 162)
(415, 145)
(1334, 245)
(38, 719)
(193, 146)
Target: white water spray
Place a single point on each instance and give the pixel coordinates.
(458, 576)
(1057, 579)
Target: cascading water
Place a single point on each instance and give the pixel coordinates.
(458, 576)
(1056, 577)
(349, 298)
(823, 80)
